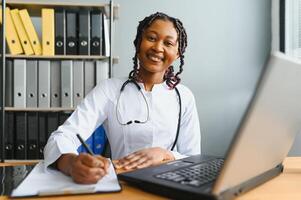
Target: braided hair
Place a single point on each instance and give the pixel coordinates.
(170, 77)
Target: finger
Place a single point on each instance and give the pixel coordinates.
(89, 160)
(132, 159)
(105, 163)
(136, 163)
(145, 164)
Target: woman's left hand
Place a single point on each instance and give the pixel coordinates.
(144, 158)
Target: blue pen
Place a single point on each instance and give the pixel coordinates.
(85, 144)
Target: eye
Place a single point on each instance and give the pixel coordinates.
(169, 43)
(151, 38)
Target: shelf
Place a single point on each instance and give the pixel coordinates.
(52, 109)
(37, 4)
(58, 57)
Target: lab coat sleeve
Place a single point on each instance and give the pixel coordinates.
(189, 140)
(91, 112)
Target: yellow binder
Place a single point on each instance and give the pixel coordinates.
(21, 32)
(31, 32)
(11, 35)
(48, 31)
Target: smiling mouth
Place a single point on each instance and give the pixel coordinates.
(154, 58)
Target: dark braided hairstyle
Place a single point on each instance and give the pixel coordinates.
(171, 79)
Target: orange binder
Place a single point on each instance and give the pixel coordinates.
(31, 32)
(21, 32)
(12, 39)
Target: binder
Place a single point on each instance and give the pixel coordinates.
(44, 84)
(21, 32)
(52, 123)
(63, 116)
(60, 31)
(42, 126)
(89, 76)
(102, 70)
(32, 83)
(31, 32)
(78, 82)
(32, 135)
(11, 35)
(9, 135)
(71, 33)
(9, 83)
(19, 83)
(84, 32)
(55, 84)
(67, 83)
(48, 31)
(20, 135)
(96, 32)
(106, 36)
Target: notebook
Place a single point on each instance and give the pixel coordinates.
(256, 152)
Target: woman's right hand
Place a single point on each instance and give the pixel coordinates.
(83, 168)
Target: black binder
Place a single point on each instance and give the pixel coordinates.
(32, 135)
(20, 135)
(96, 32)
(71, 33)
(52, 123)
(9, 135)
(60, 33)
(84, 32)
(63, 117)
(42, 133)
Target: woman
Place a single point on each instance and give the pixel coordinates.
(148, 117)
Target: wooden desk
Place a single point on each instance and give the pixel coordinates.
(286, 186)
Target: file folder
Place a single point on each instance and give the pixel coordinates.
(44, 84)
(67, 83)
(42, 126)
(9, 83)
(84, 32)
(32, 83)
(20, 135)
(60, 31)
(32, 135)
(89, 76)
(31, 32)
(55, 83)
(102, 70)
(21, 32)
(48, 31)
(19, 83)
(71, 33)
(9, 135)
(78, 82)
(52, 123)
(63, 116)
(96, 32)
(11, 34)
(106, 36)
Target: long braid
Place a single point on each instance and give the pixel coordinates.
(171, 79)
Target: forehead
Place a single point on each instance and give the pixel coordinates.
(163, 27)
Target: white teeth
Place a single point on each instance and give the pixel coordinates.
(155, 58)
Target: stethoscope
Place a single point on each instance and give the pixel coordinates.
(147, 107)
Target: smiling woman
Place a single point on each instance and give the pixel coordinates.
(148, 117)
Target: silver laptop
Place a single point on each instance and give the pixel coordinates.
(255, 155)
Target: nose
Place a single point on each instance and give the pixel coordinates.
(158, 46)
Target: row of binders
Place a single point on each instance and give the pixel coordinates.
(26, 134)
(51, 83)
(64, 32)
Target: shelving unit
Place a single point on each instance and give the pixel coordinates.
(34, 8)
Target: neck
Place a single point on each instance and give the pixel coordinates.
(149, 80)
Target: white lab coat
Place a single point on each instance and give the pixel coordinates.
(99, 107)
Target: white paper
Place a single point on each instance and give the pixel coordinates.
(53, 182)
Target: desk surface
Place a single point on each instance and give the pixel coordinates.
(284, 186)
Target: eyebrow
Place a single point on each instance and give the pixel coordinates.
(168, 36)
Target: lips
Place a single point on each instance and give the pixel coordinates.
(155, 58)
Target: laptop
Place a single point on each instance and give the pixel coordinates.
(256, 152)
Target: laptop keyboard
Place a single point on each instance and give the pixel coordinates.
(196, 175)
